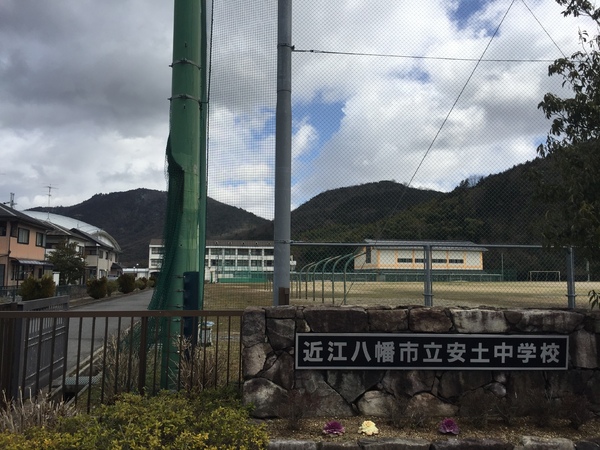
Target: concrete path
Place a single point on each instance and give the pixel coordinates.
(81, 345)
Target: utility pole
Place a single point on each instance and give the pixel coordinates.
(283, 155)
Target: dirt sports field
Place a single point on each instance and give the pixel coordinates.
(524, 294)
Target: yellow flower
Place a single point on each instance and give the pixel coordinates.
(368, 427)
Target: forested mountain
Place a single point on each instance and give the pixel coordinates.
(134, 217)
(495, 209)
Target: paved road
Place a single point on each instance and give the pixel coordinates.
(133, 302)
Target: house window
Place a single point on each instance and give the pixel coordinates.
(2, 227)
(39, 239)
(14, 230)
(157, 250)
(23, 237)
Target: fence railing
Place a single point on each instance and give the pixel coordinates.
(110, 352)
(440, 274)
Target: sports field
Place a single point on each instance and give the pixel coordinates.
(524, 294)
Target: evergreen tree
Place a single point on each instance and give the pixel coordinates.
(68, 262)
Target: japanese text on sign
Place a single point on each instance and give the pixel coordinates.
(362, 351)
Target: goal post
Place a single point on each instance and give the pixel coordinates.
(544, 275)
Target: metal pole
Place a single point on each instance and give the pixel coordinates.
(570, 278)
(345, 270)
(349, 255)
(283, 152)
(428, 294)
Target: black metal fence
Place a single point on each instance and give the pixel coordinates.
(90, 357)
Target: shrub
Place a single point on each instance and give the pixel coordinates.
(32, 289)
(141, 283)
(126, 283)
(167, 421)
(96, 288)
(111, 286)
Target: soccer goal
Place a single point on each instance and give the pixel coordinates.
(544, 275)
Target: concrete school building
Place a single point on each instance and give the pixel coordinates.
(228, 260)
(390, 255)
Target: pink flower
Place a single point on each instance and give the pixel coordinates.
(448, 426)
(333, 428)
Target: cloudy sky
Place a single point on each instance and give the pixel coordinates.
(84, 87)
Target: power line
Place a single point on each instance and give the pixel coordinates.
(440, 58)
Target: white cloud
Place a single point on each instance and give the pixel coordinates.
(84, 88)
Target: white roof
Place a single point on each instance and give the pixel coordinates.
(70, 223)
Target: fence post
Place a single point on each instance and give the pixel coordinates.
(427, 294)
(570, 278)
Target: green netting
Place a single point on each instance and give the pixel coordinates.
(172, 225)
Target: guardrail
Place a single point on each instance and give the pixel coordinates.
(110, 352)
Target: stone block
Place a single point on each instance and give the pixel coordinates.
(281, 333)
(253, 326)
(376, 403)
(409, 382)
(268, 399)
(281, 312)
(470, 444)
(332, 319)
(540, 443)
(388, 320)
(546, 320)
(583, 349)
(431, 406)
(353, 384)
(254, 358)
(429, 320)
(393, 444)
(455, 383)
(479, 320)
(282, 371)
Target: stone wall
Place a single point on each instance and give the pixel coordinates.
(273, 385)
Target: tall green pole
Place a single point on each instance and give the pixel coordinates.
(203, 150)
(183, 154)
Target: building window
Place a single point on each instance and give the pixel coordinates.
(2, 227)
(214, 262)
(92, 252)
(229, 251)
(157, 250)
(216, 251)
(23, 237)
(419, 260)
(256, 263)
(368, 256)
(256, 252)
(100, 254)
(14, 230)
(229, 263)
(438, 260)
(456, 261)
(269, 263)
(242, 263)
(269, 252)
(155, 262)
(39, 239)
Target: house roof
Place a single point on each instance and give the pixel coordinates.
(437, 245)
(77, 227)
(8, 213)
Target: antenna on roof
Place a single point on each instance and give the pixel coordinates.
(50, 187)
(11, 202)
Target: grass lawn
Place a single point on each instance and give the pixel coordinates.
(524, 294)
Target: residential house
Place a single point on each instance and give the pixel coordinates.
(22, 247)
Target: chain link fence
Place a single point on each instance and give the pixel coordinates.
(414, 123)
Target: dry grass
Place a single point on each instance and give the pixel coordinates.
(510, 294)
(26, 412)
